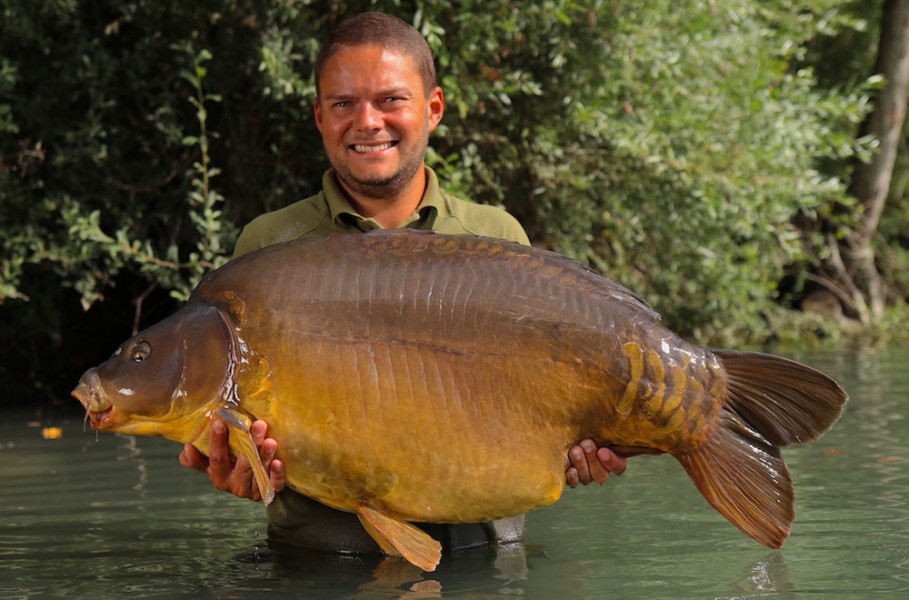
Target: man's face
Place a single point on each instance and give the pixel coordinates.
(375, 118)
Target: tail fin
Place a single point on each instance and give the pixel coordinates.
(771, 403)
(785, 401)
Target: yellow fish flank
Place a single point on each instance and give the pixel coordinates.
(416, 377)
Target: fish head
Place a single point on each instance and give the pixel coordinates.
(160, 381)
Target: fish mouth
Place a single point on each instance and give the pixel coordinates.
(99, 411)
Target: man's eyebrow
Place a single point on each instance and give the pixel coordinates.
(396, 91)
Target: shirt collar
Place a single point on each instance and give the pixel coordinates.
(433, 205)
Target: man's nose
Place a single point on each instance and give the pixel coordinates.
(368, 117)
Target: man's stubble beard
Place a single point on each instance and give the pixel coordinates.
(385, 188)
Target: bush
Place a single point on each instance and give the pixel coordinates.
(139, 135)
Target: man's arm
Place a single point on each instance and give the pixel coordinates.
(586, 463)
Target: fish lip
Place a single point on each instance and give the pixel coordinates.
(98, 410)
(83, 395)
(101, 419)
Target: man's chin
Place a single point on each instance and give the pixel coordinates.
(376, 185)
(377, 182)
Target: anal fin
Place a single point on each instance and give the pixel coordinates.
(744, 477)
(399, 538)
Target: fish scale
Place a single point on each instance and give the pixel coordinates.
(412, 376)
(668, 388)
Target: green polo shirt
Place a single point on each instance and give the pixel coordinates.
(329, 211)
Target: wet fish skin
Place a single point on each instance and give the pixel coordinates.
(418, 377)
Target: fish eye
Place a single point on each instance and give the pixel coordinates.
(140, 351)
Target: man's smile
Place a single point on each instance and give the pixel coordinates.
(364, 148)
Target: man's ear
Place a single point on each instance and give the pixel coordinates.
(317, 113)
(436, 107)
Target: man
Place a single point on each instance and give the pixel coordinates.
(377, 102)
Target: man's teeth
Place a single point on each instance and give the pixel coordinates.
(373, 148)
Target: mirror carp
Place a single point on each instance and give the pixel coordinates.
(417, 377)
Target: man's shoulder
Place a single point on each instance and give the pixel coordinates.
(293, 221)
(481, 219)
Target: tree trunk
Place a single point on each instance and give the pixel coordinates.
(871, 181)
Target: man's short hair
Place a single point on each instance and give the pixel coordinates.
(380, 29)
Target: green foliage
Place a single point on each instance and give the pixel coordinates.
(669, 148)
(672, 148)
(100, 178)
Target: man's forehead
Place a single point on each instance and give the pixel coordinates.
(381, 69)
(371, 54)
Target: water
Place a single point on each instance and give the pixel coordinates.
(117, 517)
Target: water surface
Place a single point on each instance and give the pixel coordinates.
(116, 517)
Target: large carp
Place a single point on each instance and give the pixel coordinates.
(412, 376)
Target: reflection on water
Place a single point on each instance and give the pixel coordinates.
(117, 517)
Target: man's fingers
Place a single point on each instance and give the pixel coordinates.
(267, 449)
(220, 465)
(276, 472)
(613, 462)
(587, 463)
(571, 477)
(242, 480)
(597, 472)
(579, 463)
(191, 458)
(258, 430)
(236, 475)
(274, 467)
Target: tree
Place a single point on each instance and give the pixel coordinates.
(852, 263)
(671, 149)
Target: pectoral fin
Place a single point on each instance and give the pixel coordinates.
(242, 443)
(399, 538)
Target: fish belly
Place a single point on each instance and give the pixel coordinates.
(399, 426)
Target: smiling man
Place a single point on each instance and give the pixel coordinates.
(377, 103)
(375, 114)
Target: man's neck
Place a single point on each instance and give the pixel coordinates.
(390, 212)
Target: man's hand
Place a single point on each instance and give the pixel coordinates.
(589, 463)
(235, 477)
